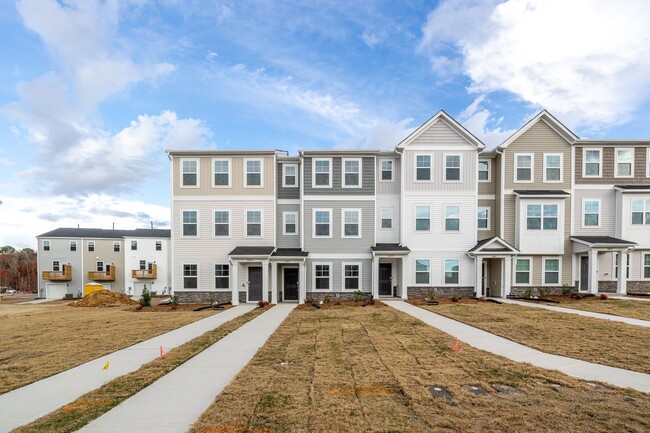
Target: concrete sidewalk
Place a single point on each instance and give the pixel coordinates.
(613, 318)
(175, 401)
(37, 301)
(627, 298)
(24, 405)
(517, 352)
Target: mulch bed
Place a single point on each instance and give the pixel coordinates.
(341, 304)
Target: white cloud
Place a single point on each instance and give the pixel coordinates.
(478, 121)
(383, 135)
(372, 38)
(587, 61)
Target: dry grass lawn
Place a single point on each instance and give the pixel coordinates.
(631, 309)
(40, 340)
(594, 340)
(367, 370)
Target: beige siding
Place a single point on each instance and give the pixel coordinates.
(509, 219)
(485, 234)
(104, 253)
(607, 217)
(496, 178)
(437, 183)
(484, 187)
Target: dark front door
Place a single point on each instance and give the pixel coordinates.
(584, 273)
(254, 283)
(290, 284)
(385, 280)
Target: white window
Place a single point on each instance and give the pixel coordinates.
(483, 221)
(46, 245)
(290, 175)
(387, 218)
(627, 266)
(322, 272)
(591, 212)
(423, 167)
(592, 162)
(221, 276)
(73, 245)
(386, 166)
(253, 223)
(221, 173)
(624, 162)
(190, 223)
(116, 246)
(190, 172)
(523, 167)
(91, 246)
(452, 218)
(522, 271)
(352, 173)
(484, 170)
(351, 223)
(222, 223)
(134, 245)
(143, 265)
(422, 218)
(541, 217)
(646, 266)
(422, 271)
(640, 212)
(351, 276)
(551, 271)
(552, 167)
(158, 245)
(99, 267)
(322, 223)
(190, 276)
(322, 174)
(452, 271)
(452, 168)
(290, 223)
(56, 265)
(253, 174)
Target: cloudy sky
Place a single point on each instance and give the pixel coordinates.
(93, 92)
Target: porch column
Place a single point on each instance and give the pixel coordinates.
(265, 280)
(506, 278)
(621, 285)
(478, 283)
(375, 277)
(593, 271)
(403, 280)
(234, 281)
(302, 282)
(274, 283)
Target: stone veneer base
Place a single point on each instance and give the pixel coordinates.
(421, 292)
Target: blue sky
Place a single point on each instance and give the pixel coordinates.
(93, 92)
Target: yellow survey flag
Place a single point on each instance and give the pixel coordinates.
(105, 366)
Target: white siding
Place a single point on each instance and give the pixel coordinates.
(391, 235)
(147, 251)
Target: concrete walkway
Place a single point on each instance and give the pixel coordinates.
(24, 405)
(627, 298)
(613, 318)
(37, 301)
(175, 401)
(517, 352)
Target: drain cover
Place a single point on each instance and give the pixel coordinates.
(442, 394)
(475, 389)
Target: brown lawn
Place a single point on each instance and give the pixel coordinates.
(37, 341)
(631, 309)
(594, 340)
(367, 370)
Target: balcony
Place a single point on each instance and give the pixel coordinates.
(64, 275)
(102, 276)
(145, 274)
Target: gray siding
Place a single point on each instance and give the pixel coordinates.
(336, 244)
(367, 177)
(287, 241)
(336, 274)
(288, 193)
(607, 217)
(389, 188)
(60, 250)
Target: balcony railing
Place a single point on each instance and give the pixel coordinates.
(145, 274)
(102, 276)
(64, 275)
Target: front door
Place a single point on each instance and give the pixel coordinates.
(255, 283)
(385, 280)
(584, 273)
(290, 284)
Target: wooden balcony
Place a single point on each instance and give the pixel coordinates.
(64, 275)
(102, 276)
(145, 274)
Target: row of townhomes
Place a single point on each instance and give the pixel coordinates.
(545, 211)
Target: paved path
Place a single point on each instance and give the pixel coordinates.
(628, 298)
(37, 301)
(24, 405)
(603, 316)
(175, 401)
(517, 352)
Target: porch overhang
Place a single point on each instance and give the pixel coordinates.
(600, 243)
(541, 193)
(286, 254)
(249, 253)
(493, 247)
(632, 188)
(390, 250)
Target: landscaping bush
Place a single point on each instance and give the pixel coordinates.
(145, 300)
(603, 297)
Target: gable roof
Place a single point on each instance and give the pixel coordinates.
(451, 122)
(493, 245)
(547, 118)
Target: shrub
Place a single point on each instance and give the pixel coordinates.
(603, 297)
(431, 295)
(566, 290)
(327, 299)
(175, 300)
(145, 300)
(528, 293)
(358, 295)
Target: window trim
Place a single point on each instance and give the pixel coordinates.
(159, 243)
(542, 217)
(214, 223)
(58, 265)
(359, 277)
(381, 218)
(415, 271)
(559, 271)
(182, 234)
(627, 265)
(584, 213)
(198, 172)
(313, 172)
(479, 209)
(313, 225)
(392, 170)
(644, 212)
(47, 245)
(99, 268)
(261, 235)
(530, 272)
(246, 160)
(214, 276)
(460, 168)
(198, 273)
(118, 245)
(313, 276)
(343, 172)
(415, 162)
(629, 149)
(644, 266)
(214, 173)
(134, 245)
(76, 246)
(89, 245)
(360, 223)
(532, 168)
(489, 170)
(284, 174)
(561, 180)
(415, 214)
(584, 162)
(284, 223)
(444, 218)
(444, 271)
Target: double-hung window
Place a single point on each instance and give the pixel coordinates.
(352, 173)
(351, 223)
(387, 218)
(386, 170)
(352, 276)
(423, 218)
(322, 223)
(116, 246)
(158, 245)
(523, 168)
(221, 172)
(189, 172)
(423, 167)
(452, 271)
(143, 265)
(592, 162)
(541, 217)
(627, 266)
(624, 162)
(91, 246)
(452, 168)
(190, 276)
(551, 271)
(484, 170)
(73, 245)
(253, 223)
(290, 223)
(46, 245)
(253, 172)
(190, 223)
(290, 175)
(99, 266)
(552, 167)
(322, 173)
(322, 276)
(452, 218)
(56, 266)
(221, 276)
(222, 223)
(522, 271)
(591, 211)
(646, 266)
(640, 212)
(134, 245)
(422, 271)
(483, 221)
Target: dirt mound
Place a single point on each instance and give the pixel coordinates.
(104, 298)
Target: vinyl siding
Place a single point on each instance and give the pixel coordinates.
(336, 274)
(609, 164)
(437, 275)
(388, 235)
(104, 250)
(509, 219)
(367, 177)
(389, 188)
(288, 193)
(485, 188)
(485, 234)
(60, 250)
(437, 183)
(496, 179)
(336, 244)
(607, 218)
(287, 241)
(537, 263)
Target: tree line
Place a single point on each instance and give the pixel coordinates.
(18, 268)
